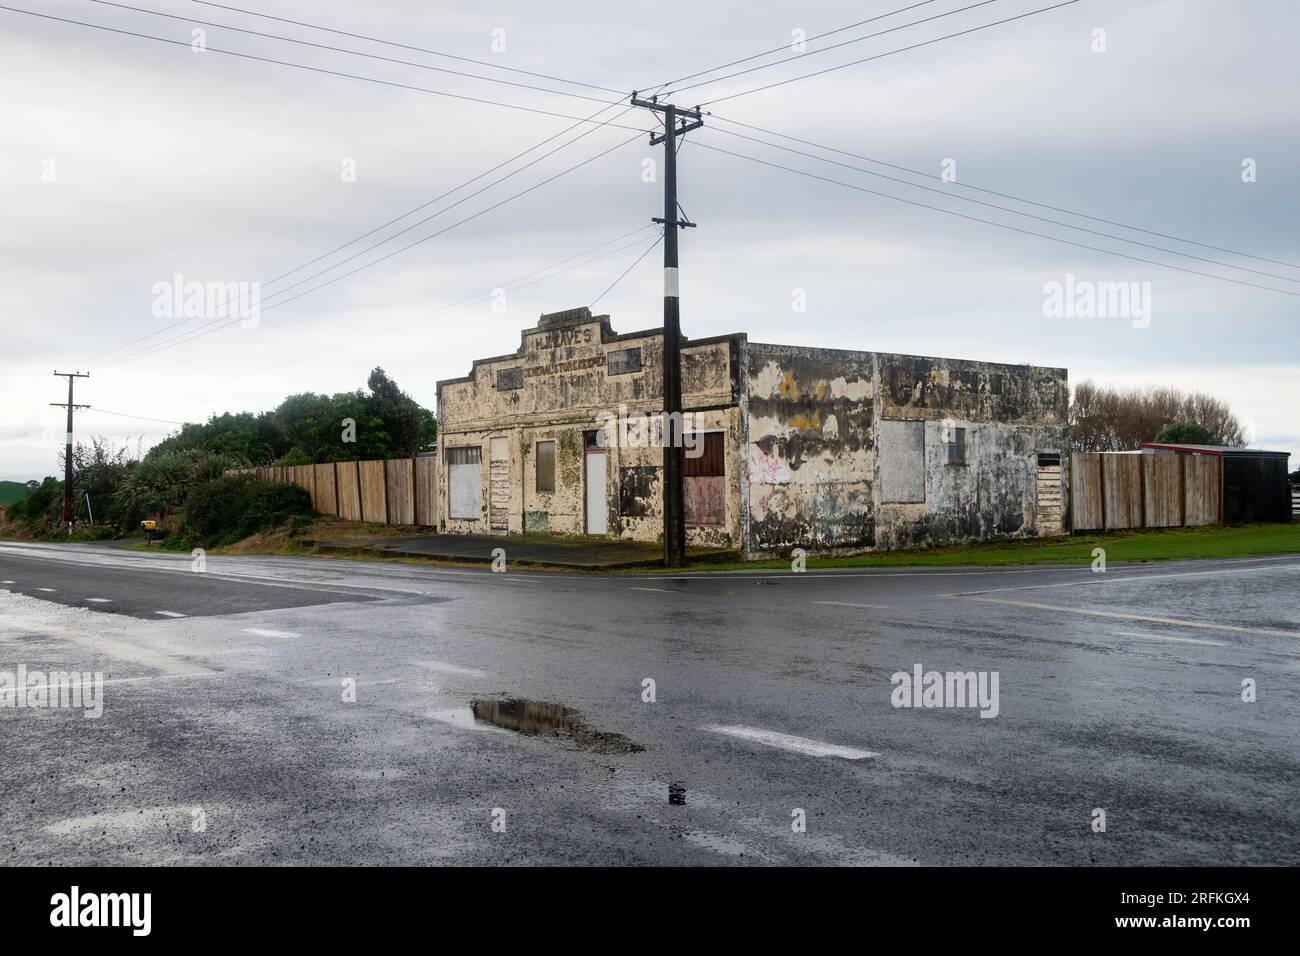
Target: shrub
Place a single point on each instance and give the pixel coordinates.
(1188, 433)
(296, 456)
(37, 501)
(229, 508)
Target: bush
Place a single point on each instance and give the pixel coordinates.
(296, 456)
(1188, 433)
(37, 501)
(230, 508)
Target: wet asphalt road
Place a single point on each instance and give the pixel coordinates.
(229, 735)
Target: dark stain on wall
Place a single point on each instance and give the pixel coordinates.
(704, 370)
(840, 516)
(637, 491)
(976, 391)
(806, 403)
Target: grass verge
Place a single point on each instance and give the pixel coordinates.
(1170, 544)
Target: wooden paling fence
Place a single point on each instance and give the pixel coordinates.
(392, 491)
(1110, 491)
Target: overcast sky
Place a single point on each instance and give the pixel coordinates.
(125, 161)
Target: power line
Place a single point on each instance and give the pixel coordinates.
(339, 49)
(833, 46)
(991, 222)
(512, 285)
(648, 249)
(365, 235)
(143, 418)
(405, 46)
(213, 326)
(785, 47)
(303, 66)
(994, 192)
(832, 69)
(421, 222)
(1016, 212)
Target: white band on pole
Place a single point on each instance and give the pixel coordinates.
(670, 283)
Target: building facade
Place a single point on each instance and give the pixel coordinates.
(824, 449)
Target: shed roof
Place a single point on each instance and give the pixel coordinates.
(1224, 451)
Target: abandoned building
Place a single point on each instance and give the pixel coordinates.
(824, 449)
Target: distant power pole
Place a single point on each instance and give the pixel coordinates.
(674, 490)
(67, 454)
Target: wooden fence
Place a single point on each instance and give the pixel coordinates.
(1110, 491)
(393, 491)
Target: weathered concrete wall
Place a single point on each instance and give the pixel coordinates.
(993, 494)
(1010, 413)
(555, 387)
(810, 449)
(848, 451)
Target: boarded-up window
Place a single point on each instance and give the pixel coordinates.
(465, 488)
(703, 470)
(546, 466)
(956, 446)
(623, 361)
(509, 379)
(902, 461)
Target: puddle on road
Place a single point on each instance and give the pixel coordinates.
(538, 718)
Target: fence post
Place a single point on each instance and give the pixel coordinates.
(1101, 487)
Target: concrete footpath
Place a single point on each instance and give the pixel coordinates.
(532, 550)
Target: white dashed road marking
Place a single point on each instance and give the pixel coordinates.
(99, 600)
(169, 614)
(657, 590)
(8, 582)
(48, 590)
(263, 632)
(799, 745)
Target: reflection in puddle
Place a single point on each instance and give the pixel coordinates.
(536, 718)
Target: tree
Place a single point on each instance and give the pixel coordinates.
(410, 428)
(1187, 433)
(309, 427)
(1106, 419)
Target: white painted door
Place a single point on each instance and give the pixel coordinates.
(597, 509)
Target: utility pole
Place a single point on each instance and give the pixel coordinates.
(67, 453)
(674, 489)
